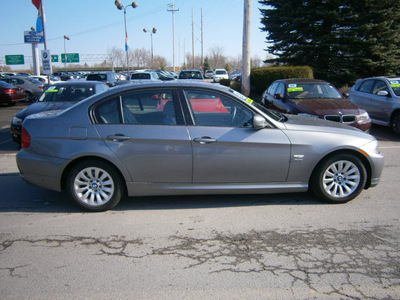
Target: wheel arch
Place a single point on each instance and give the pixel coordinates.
(78, 160)
(357, 154)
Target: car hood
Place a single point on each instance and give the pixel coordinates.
(296, 122)
(44, 106)
(323, 107)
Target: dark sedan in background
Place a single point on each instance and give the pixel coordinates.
(10, 94)
(185, 138)
(314, 98)
(58, 96)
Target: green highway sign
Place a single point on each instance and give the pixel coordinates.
(71, 57)
(54, 58)
(15, 60)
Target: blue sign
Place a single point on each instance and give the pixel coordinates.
(33, 37)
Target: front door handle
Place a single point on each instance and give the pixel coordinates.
(204, 140)
(118, 137)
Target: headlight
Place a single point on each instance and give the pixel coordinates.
(364, 117)
(17, 121)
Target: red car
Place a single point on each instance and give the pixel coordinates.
(10, 94)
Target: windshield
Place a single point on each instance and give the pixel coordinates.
(312, 90)
(395, 84)
(66, 93)
(257, 105)
(190, 75)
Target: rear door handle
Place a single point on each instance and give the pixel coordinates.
(204, 140)
(118, 137)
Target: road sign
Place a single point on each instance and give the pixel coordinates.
(46, 61)
(71, 57)
(54, 58)
(33, 37)
(15, 60)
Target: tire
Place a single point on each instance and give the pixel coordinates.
(339, 178)
(396, 123)
(94, 185)
(29, 97)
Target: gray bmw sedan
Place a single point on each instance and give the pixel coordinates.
(181, 138)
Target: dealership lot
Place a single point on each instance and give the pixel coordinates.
(288, 246)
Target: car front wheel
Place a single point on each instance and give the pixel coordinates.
(94, 185)
(339, 179)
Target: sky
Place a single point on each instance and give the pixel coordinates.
(96, 26)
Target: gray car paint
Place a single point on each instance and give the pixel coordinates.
(165, 160)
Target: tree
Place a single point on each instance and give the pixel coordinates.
(340, 39)
(216, 57)
(207, 65)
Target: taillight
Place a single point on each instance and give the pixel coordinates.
(25, 138)
(41, 87)
(10, 91)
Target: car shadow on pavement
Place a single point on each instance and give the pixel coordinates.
(18, 196)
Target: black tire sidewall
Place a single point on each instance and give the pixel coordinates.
(317, 185)
(118, 187)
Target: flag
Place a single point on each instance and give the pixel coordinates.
(40, 18)
(126, 42)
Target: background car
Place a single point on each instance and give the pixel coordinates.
(208, 73)
(110, 78)
(33, 88)
(10, 94)
(380, 97)
(184, 137)
(144, 76)
(220, 74)
(58, 96)
(314, 98)
(191, 74)
(43, 79)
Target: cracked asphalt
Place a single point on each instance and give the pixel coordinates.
(288, 246)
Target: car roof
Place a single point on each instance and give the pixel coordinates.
(78, 82)
(302, 80)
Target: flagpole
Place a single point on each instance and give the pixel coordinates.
(44, 29)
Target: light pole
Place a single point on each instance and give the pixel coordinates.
(154, 30)
(119, 5)
(66, 37)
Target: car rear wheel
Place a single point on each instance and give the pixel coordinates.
(29, 97)
(94, 185)
(396, 123)
(339, 179)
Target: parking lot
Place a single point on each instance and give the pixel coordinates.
(286, 246)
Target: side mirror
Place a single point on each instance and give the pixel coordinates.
(278, 96)
(383, 93)
(346, 95)
(259, 122)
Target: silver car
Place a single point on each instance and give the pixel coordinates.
(380, 97)
(180, 138)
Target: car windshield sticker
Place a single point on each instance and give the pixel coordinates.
(248, 100)
(294, 88)
(51, 91)
(394, 83)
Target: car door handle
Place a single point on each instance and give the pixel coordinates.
(118, 137)
(204, 140)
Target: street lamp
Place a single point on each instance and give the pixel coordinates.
(119, 5)
(66, 37)
(154, 30)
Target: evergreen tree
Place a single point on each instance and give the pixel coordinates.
(340, 39)
(207, 65)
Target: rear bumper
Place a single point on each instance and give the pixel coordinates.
(42, 171)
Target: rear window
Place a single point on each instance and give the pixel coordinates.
(140, 76)
(97, 77)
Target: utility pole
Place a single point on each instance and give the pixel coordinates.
(246, 48)
(202, 41)
(173, 10)
(193, 38)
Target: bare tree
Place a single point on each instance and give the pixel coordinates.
(216, 57)
(115, 57)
